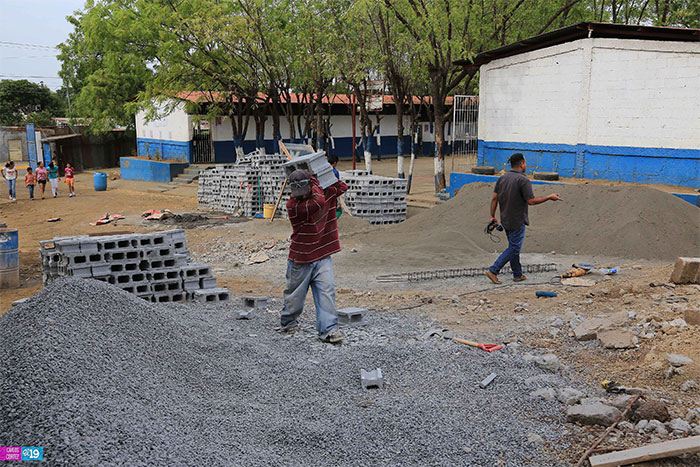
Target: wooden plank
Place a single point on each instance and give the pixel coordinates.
(647, 453)
(284, 149)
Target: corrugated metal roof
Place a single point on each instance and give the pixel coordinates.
(581, 31)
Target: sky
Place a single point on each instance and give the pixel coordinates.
(35, 22)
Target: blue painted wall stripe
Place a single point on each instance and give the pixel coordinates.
(458, 180)
(663, 166)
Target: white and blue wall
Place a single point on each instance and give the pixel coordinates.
(170, 138)
(618, 109)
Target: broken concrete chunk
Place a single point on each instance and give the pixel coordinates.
(626, 426)
(548, 362)
(587, 330)
(616, 338)
(547, 394)
(592, 414)
(678, 360)
(686, 271)
(689, 385)
(569, 396)
(534, 438)
(658, 427)
(692, 316)
(642, 425)
(679, 426)
(678, 323)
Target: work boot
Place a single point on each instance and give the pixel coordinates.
(333, 337)
(520, 279)
(493, 277)
(289, 329)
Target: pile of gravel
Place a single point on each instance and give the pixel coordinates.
(97, 376)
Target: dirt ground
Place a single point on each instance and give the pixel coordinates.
(471, 307)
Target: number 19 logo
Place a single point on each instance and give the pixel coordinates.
(32, 454)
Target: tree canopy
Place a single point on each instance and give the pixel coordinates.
(245, 57)
(22, 101)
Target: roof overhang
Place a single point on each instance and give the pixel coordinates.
(582, 31)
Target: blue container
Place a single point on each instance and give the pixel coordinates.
(9, 258)
(100, 180)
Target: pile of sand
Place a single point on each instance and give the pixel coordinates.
(622, 221)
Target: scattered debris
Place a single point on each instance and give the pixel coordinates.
(569, 396)
(488, 380)
(256, 258)
(689, 385)
(678, 360)
(484, 347)
(548, 362)
(544, 293)
(107, 218)
(53, 219)
(578, 282)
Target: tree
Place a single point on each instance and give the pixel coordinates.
(22, 101)
(103, 70)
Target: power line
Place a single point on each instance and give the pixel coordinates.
(30, 76)
(25, 45)
(29, 56)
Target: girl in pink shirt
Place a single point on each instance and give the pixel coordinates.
(41, 176)
(70, 180)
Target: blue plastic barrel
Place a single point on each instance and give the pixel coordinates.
(9, 258)
(100, 179)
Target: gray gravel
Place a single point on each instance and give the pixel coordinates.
(99, 377)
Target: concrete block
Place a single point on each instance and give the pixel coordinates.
(211, 295)
(352, 316)
(686, 271)
(89, 247)
(101, 270)
(207, 283)
(252, 302)
(371, 378)
(191, 285)
(85, 271)
(244, 314)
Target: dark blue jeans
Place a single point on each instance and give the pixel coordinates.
(512, 253)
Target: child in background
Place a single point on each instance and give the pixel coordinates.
(29, 182)
(70, 181)
(54, 178)
(41, 176)
(9, 173)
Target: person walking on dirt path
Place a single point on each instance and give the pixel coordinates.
(69, 174)
(513, 192)
(314, 238)
(29, 182)
(9, 173)
(41, 176)
(54, 178)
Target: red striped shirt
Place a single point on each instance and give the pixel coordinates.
(314, 223)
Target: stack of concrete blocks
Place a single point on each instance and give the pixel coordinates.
(224, 187)
(316, 164)
(154, 266)
(378, 200)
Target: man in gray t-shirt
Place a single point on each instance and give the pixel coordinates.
(513, 192)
